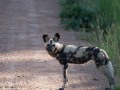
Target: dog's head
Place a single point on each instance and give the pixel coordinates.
(51, 45)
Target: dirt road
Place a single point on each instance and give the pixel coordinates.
(24, 63)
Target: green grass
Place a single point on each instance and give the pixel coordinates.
(117, 86)
(111, 45)
(87, 36)
(110, 16)
(110, 10)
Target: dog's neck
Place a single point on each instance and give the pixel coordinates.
(60, 47)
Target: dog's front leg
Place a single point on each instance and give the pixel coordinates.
(65, 79)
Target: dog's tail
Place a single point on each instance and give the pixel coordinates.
(108, 70)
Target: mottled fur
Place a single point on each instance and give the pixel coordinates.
(78, 55)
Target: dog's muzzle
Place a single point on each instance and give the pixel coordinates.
(50, 48)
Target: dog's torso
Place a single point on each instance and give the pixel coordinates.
(79, 55)
(73, 54)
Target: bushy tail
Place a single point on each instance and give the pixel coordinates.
(108, 71)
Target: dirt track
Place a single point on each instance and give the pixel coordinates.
(24, 63)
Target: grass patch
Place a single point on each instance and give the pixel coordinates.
(87, 36)
(117, 87)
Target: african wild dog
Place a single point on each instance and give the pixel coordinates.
(78, 55)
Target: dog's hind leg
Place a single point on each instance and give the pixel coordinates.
(65, 79)
(108, 71)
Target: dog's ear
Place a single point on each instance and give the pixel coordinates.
(46, 37)
(56, 37)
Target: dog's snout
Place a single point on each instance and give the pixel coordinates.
(48, 45)
(49, 48)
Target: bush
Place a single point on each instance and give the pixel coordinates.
(74, 16)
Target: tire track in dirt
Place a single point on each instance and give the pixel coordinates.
(24, 63)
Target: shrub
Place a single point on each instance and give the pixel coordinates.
(74, 16)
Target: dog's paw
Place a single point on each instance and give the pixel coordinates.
(61, 88)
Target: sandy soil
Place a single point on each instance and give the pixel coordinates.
(24, 63)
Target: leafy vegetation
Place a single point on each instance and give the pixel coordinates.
(74, 16)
